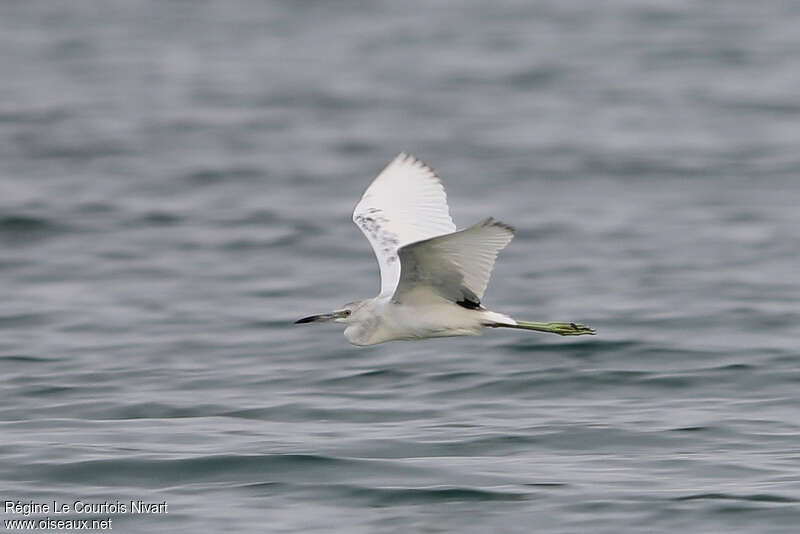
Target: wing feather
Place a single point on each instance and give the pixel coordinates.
(406, 203)
(456, 266)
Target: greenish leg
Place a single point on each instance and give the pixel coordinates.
(562, 329)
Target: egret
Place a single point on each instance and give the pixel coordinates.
(432, 276)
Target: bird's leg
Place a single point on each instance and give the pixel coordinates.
(562, 329)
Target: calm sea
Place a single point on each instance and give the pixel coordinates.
(176, 184)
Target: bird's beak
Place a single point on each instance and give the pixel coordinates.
(320, 318)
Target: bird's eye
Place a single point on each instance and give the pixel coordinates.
(347, 313)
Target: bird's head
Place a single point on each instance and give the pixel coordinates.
(342, 316)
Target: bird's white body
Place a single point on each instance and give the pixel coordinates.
(380, 319)
(432, 276)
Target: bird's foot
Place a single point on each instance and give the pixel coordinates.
(562, 329)
(570, 329)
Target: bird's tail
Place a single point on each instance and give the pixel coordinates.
(560, 328)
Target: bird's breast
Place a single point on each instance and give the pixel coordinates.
(414, 321)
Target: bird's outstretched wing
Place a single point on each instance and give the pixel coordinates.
(455, 266)
(404, 204)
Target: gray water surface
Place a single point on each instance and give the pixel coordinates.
(176, 184)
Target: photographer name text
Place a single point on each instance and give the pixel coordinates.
(28, 508)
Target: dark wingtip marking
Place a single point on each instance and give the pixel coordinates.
(408, 157)
(491, 221)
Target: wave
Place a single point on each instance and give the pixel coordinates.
(758, 497)
(154, 472)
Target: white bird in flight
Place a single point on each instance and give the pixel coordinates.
(432, 276)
